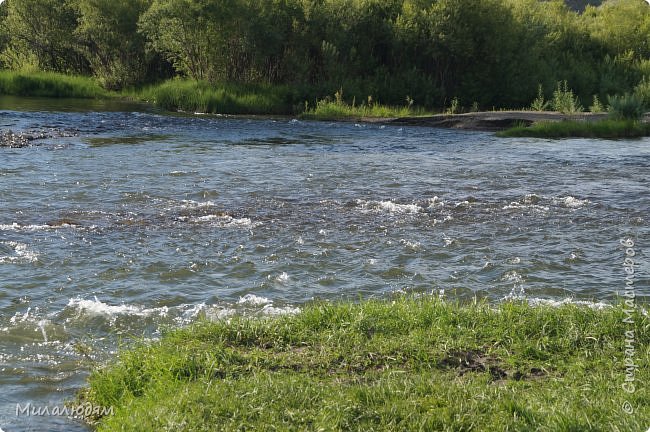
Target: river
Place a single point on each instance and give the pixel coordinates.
(123, 221)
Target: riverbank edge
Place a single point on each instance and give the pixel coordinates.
(403, 364)
(202, 98)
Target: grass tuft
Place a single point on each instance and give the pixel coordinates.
(409, 364)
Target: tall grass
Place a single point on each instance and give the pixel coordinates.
(49, 84)
(338, 108)
(629, 106)
(608, 129)
(200, 96)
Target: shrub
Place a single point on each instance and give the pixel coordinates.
(539, 104)
(628, 106)
(642, 90)
(596, 106)
(564, 100)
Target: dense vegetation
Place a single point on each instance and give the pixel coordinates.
(480, 53)
(405, 365)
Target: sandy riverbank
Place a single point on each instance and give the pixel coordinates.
(490, 120)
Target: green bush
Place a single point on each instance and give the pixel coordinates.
(596, 106)
(642, 90)
(628, 107)
(564, 100)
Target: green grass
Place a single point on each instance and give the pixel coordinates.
(327, 109)
(406, 365)
(49, 84)
(199, 96)
(609, 129)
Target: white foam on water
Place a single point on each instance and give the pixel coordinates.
(571, 202)
(435, 203)
(398, 208)
(282, 277)
(519, 206)
(413, 245)
(97, 307)
(22, 254)
(223, 221)
(512, 276)
(252, 299)
(284, 310)
(35, 227)
(534, 301)
(389, 207)
(528, 202)
(191, 204)
(514, 260)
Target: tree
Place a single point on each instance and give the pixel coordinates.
(198, 37)
(40, 35)
(108, 33)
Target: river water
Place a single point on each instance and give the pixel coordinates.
(123, 221)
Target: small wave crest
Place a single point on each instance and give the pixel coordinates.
(20, 253)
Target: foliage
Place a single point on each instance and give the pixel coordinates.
(454, 108)
(608, 129)
(492, 52)
(642, 91)
(328, 109)
(202, 96)
(108, 36)
(539, 104)
(564, 100)
(627, 106)
(39, 36)
(49, 84)
(596, 105)
(407, 364)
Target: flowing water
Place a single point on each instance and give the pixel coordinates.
(119, 222)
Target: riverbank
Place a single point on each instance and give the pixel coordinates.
(231, 99)
(408, 364)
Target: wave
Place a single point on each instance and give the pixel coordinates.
(21, 253)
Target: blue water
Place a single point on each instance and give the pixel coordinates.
(123, 222)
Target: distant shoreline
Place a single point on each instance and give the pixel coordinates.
(491, 121)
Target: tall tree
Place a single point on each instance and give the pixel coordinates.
(108, 32)
(40, 35)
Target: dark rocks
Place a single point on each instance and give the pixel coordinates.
(11, 139)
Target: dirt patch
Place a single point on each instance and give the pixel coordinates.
(473, 361)
(466, 361)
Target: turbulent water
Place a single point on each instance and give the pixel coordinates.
(116, 223)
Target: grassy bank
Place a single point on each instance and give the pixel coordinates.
(49, 84)
(199, 96)
(328, 109)
(411, 364)
(609, 129)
